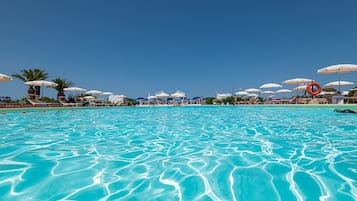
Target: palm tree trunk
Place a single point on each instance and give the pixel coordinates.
(30, 90)
(38, 90)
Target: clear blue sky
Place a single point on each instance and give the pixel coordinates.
(201, 47)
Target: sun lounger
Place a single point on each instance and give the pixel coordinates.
(37, 102)
(69, 104)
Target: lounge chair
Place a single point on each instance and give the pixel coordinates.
(37, 102)
(69, 104)
(288, 101)
(253, 101)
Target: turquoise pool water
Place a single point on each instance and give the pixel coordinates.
(179, 153)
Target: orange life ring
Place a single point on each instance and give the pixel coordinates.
(310, 87)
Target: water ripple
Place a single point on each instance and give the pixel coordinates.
(179, 153)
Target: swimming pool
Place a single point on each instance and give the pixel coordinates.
(179, 153)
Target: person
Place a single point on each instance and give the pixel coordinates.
(345, 111)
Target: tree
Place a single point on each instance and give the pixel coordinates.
(61, 84)
(31, 75)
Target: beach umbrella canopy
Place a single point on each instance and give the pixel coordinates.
(329, 89)
(301, 88)
(94, 92)
(151, 97)
(89, 97)
(41, 83)
(297, 81)
(270, 85)
(339, 83)
(178, 94)
(162, 94)
(241, 93)
(283, 91)
(328, 92)
(339, 68)
(252, 95)
(107, 93)
(74, 89)
(268, 92)
(253, 90)
(5, 78)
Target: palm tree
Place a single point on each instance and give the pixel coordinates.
(31, 75)
(61, 84)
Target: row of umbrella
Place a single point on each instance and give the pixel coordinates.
(334, 69)
(162, 94)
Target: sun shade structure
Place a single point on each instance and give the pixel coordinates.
(283, 91)
(252, 95)
(89, 97)
(5, 78)
(241, 93)
(270, 85)
(301, 88)
(94, 92)
(178, 94)
(107, 93)
(74, 89)
(338, 68)
(162, 94)
(151, 97)
(253, 90)
(41, 83)
(268, 92)
(297, 81)
(338, 83)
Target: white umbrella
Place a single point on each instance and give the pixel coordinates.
(327, 93)
(5, 78)
(283, 91)
(94, 92)
(252, 95)
(162, 94)
(253, 90)
(338, 83)
(74, 89)
(297, 81)
(270, 85)
(338, 69)
(178, 94)
(241, 93)
(107, 93)
(268, 92)
(89, 97)
(151, 97)
(301, 88)
(41, 83)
